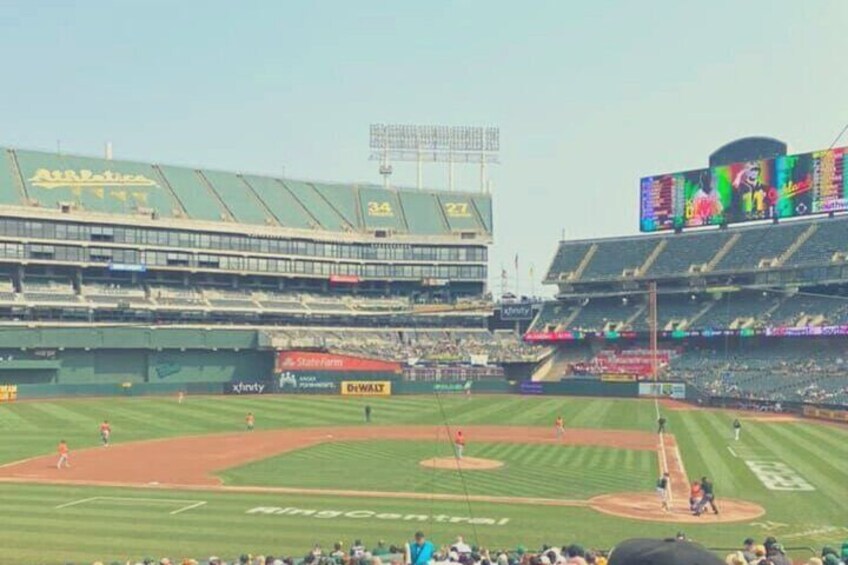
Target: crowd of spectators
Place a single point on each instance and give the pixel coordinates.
(458, 346)
(677, 550)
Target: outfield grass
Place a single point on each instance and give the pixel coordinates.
(33, 530)
(549, 471)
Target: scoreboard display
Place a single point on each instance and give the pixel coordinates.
(787, 186)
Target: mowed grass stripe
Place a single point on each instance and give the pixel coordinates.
(394, 466)
(813, 462)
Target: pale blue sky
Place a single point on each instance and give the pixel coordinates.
(589, 95)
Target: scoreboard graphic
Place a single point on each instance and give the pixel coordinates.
(787, 186)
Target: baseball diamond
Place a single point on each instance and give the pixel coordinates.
(320, 466)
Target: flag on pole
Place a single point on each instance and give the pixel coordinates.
(516, 261)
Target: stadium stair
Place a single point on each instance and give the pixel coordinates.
(18, 176)
(652, 257)
(694, 320)
(181, 212)
(578, 272)
(639, 313)
(723, 251)
(808, 233)
(230, 216)
(271, 219)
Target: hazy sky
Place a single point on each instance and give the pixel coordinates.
(589, 95)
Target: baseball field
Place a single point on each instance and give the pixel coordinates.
(189, 480)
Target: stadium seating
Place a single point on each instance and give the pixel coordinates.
(830, 238)
(85, 184)
(760, 244)
(615, 257)
(805, 242)
(685, 250)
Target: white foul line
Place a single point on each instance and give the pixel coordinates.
(189, 507)
(75, 502)
(733, 453)
(191, 503)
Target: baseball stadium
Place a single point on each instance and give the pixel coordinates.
(197, 362)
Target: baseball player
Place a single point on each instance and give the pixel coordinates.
(707, 497)
(367, 413)
(661, 424)
(105, 433)
(694, 495)
(250, 421)
(459, 444)
(737, 428)
(662, 490)
(63, 455)
(180, 397)
(559, 426)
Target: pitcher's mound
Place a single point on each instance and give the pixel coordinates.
(464, 464)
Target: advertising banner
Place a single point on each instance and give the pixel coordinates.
(289, 382)
(512, 312)
(530, 387)
(452, 388)
(667, 390)
(318, 361)
(366, 388)
(248, 387)
(826, 414)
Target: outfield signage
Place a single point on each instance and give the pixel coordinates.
(292, 511)
(512, 312)
(247, 387)
(366, 388)
(823, 413)
(530, 387)
(319, 361)
(291, 382)
(667, 390)
(452, 388)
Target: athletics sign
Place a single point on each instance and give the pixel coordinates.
(366, 388)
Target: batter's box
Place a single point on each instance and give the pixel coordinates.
(180, 504)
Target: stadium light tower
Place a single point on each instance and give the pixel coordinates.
(434, 144)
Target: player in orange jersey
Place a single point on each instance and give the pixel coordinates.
(250, 420)
(63, 455)
(694, 495)
(459, 444)
(105, 433)
(559, 426)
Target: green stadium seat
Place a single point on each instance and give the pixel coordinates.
(277, 198)
(320, 209)
(422, 213)
(381, 209)
(97, 185)
(460, 212)
(240, 198)
(10, 192)
(197, 198)
(343, 199)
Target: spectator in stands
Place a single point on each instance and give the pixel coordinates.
(419, 551)
(748, 547)
(774, 552)
(381, 549)
(461, 547)
(735, 558)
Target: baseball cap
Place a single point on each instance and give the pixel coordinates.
(640, 551)
(748, 541)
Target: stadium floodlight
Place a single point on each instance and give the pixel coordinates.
(434, 144)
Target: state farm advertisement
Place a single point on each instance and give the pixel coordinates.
(316, 361)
